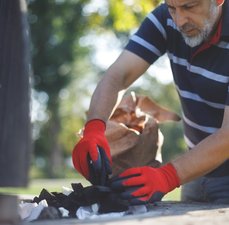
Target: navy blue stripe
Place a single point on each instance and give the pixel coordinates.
(208, 89)
(194, 135)
(144, 53)
(202, 115)
(212, 62)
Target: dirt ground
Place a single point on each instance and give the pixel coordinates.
(164, 213)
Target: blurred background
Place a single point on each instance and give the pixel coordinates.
(72, 43)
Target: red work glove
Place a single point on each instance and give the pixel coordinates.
(91, 155)
(146, 184)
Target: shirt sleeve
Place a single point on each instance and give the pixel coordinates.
(149, 42)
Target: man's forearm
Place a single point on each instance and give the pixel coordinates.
(107, 95)
(205, 157)
(126, 69)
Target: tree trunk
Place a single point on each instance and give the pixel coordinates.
(56, 163)
(15, 135)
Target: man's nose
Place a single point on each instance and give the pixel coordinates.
(180, 18)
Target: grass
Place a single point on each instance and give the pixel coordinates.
(173, 195)
(36, 185)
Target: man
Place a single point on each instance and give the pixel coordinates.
(195, 36)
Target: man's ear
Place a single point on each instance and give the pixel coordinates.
(219, 2)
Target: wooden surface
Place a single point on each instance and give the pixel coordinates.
(15, 144)
(165, 213)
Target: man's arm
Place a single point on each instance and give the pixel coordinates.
(91, 155)
(206, 156)
(121, 74)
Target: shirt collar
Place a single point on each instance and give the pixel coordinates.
(212, 41)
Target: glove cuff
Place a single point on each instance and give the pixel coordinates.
(95, 125)
(171, 175)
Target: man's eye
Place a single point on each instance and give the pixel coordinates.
(187, 7)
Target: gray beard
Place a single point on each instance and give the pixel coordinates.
(206, 31)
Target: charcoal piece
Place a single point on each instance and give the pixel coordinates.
(94, 194)
(88, 195)
(65, 201)
(113, 203)
(50, 198)
(50, 213)
(72, 202)
(76, 187)
(107, 199)
(85, 197)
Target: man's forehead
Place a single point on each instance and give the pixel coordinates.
(180, 2)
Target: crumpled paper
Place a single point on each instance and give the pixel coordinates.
(133, 133)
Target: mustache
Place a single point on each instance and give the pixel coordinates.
(187, 27)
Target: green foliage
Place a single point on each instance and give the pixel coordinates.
(56, 27)
(55, 30)
(73, 107)
(126, 15)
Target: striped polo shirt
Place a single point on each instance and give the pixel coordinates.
(201, 74)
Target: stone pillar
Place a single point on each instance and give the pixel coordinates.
(15, 133)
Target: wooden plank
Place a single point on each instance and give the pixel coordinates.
(15, 141)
